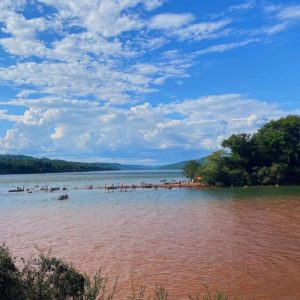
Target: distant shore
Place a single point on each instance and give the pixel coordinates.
(22, 164)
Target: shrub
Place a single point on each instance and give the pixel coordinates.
(11, 286)
(47, 278)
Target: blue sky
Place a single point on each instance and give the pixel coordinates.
(143, 81)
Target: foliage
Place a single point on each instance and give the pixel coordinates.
(191, 168)
(270, 156)
(214, 169)
(47, 278)
(11, 287)
(209, 296)
(20, 164)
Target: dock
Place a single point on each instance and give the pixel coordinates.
(156, 186)
(116, 187)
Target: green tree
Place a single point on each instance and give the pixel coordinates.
(214, 169)
(190, 169)
(278, 142)
(270, 156)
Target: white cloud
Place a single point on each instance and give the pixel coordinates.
(77, 127)
(22, 40)
(226, 47)
(243, 6)
(107, 17)
(89, 52)
(201, 31)
(170, 21)
(13, 5)
(285, 15)
(102, 80)
(93, 62)
(116, 52)
(277, 28)
(4, 115)
(289, 13)
(152, 4)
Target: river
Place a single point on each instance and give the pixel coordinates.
(246, 241)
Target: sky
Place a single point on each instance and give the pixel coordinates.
(143, 81)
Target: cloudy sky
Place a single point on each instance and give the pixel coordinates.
(143, 81)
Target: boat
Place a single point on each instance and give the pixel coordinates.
(63, 197)
(16, 190)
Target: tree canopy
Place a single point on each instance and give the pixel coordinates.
(190, 169)
(270, 156)
(21, 164)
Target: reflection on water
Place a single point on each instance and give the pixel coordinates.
(246, 238)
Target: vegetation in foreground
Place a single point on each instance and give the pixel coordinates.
(269, 157)
(49, 278)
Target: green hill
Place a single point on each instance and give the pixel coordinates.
(179, 165)
(134, 167)
(21, 164)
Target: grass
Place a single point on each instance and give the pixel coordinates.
(45, 277)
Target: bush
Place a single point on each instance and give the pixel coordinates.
(11, 286)
(47, 278)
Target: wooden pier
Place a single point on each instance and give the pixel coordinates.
(116, 187)
(156, 186)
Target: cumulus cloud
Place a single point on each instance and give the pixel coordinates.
(77, 127)
(22, 40)
(107, 17)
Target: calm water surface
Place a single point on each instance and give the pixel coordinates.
(244, 239)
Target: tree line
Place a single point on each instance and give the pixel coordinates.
(268, 157)
(21, 164)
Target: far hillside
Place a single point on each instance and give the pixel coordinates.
(21, 164)
(180, 165)
(134, 167)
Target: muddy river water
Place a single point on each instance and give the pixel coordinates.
(246, 241)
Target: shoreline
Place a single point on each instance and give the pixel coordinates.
(132, 187)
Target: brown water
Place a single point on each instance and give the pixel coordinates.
(244, 240)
